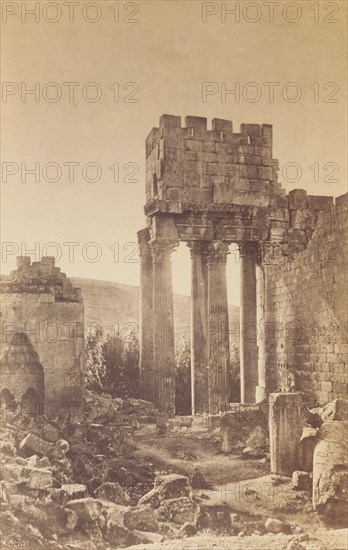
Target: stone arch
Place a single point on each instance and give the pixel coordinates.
(22, 373)
(32, 402)
(6, 396)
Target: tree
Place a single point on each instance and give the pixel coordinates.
(112, 363)
(183, 376)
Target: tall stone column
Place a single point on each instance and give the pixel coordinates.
(163, 327)
(261, 392)
(199, 363)
(248, 323)
(218, 348)
(147, 387)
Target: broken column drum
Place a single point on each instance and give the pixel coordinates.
(209, 189)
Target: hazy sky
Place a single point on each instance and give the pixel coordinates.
(161, 62)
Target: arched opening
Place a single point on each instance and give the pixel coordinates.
(7, 400)
(6, 396)
(31, 402)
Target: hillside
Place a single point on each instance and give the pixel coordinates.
(110, 304)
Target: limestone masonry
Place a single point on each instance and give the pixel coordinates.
(42, 339)
(212, 188)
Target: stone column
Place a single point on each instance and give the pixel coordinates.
(248, 323)
(147, 388)
(285, 429)
(218, 349)
(261, 336)
(199, 363)
(163, 327)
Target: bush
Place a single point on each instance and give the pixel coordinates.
(112, 364)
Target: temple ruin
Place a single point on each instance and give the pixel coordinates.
(42, 340)
(212, 188)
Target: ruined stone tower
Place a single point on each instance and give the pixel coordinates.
(42, 340)
(211, 188)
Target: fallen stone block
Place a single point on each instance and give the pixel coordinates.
(74, 490)
(88, 510)
(187, 530)
(112, 491)
(37, 478)
(302, 480)
(11, 472)
(273, 525)
(335, 410)
(306, 448)
(177, 510)
(196, 479)
(216, 517)
(34, 445)
(141, 518)
(173, 486)
(117, 534)
(330, 471)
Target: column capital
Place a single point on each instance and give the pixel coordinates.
(161, 250)
(216, 251)
(251, 250)
(197, 248)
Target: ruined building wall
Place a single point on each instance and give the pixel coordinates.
(303, 298)
(40, 303)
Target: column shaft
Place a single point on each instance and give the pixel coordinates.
(147, 388)
(261, 334)
(248, 324)
(163, 327)
(217, 330)
(199, 363)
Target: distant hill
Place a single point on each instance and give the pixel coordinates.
(109, 304)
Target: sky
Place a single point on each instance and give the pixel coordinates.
(103, 79)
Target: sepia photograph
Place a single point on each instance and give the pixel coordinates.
(173, 275)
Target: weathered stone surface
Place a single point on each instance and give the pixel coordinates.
(274, 525)
(177, 510)
(239, 423)
(196, 479)
(114, 492)
(285, 427)
(74, 490)
(37, 478)
(34, 445)
(173, 486)
(330, 470)
(306, 448)
(51, 365)
(87, 509)
(152, 498)
(141, 518)
(302, 480)
(335, 410)
(187, 530)
(216, 517)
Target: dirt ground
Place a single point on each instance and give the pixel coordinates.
(245, 485)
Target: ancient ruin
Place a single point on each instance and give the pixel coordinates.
(212, 188)
(42, 340)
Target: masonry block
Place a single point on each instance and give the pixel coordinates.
(316, 202)
(221, 125)
(196, 122)
(297, 199)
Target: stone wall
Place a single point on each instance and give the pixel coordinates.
(303, 311)
(40, 303)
